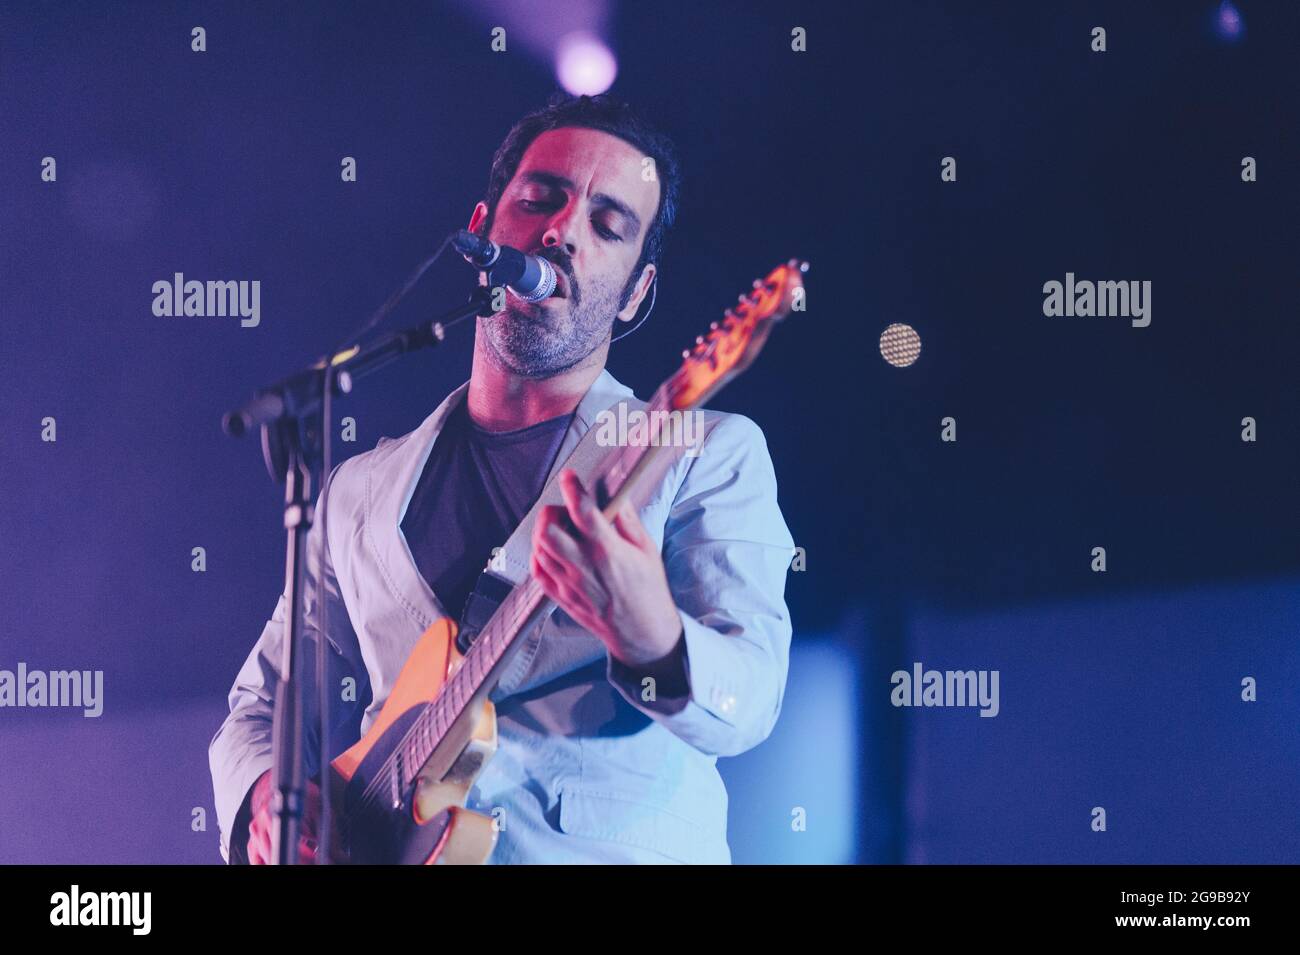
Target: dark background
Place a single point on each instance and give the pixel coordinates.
(1118, 689)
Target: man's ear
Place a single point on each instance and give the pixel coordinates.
(642, 286)
(477, 219)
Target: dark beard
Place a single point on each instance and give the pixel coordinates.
(535, 341)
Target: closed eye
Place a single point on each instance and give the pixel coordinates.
(539, 205)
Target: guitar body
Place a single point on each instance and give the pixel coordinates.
(428, 823)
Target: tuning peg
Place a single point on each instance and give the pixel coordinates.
(713, 326)
(686, 353)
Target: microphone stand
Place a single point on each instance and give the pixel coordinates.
(290, 415)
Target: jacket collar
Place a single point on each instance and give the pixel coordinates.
(391, 478)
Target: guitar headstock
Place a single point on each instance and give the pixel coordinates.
(730, 346)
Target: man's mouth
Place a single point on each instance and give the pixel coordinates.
(561, 285)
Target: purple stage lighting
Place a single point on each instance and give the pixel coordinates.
(1228, 23)
(584, 64)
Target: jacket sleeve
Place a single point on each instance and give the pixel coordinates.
(241, 749)
(726, 551)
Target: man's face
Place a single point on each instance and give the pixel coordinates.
(580, 200)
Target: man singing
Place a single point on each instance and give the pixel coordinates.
(689, 590)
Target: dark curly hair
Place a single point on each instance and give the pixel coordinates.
(610, 115)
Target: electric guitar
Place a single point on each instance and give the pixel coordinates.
(399, 792)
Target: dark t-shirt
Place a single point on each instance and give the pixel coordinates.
(475, 489)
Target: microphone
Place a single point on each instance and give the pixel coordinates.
(530, 277)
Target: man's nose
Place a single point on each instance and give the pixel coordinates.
(560, 233)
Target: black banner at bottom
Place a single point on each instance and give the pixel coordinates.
(225, 904)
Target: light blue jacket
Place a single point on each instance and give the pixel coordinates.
(585, 771)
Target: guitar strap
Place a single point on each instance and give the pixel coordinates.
(509, 566)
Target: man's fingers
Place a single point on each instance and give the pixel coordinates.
(259, 848)
(575, 498)
(548, 582)
(552, 515)
(260, 830)
(560, 545)
(582, 509)
(629, 525)
(564, 561)
(558, 585)
(308, 848)
(574, 605)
